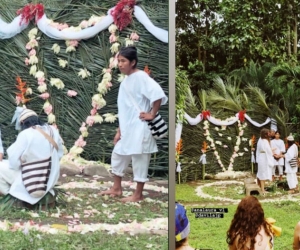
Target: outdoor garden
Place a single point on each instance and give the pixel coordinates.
(60, 59)
(237, 72)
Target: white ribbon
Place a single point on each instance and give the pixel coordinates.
(202, 159)
(178, 131)
(229, 121)
(252, 157)
(8, 30)
(16, 117)
(178, 169)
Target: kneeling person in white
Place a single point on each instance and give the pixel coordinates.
(31, 146)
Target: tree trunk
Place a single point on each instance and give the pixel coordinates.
(289, 40)
(295, 36)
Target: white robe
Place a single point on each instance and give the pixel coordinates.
(31, 146)
(278, 147)
(264, 159)
(136, 137)
(290, 154)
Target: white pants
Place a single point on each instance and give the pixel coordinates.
(7, 177)
(140, 165)
(292, 180)
(280, 169)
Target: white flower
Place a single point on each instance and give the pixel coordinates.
(98, 118)
(102, 87)
(205, 123)
(218, 142)
(99, 100)
(223, 127)
(76, 150)
(246, 149)
(33, 70)
(220, 134)
(238, 141)
(65, 150)
(28, 91)
(250, 142)
(94, 19)
(229, 138)
(84, 133)
(128, 42)
(121, 77)
(206, 127)
(240, 154)
(46, 105)
(33, 59)
(42, 88)
(39, 74)
(107, 76)
(62, 63)
(114, 48)
(84, 73)
(236, 148)
(112, 28)
(216, 128)
(56, 48)
(110, 117)
(51, 118)
(57, 83)
(32, 33)
(70, 49)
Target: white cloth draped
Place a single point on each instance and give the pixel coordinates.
(218, 122)
(178, 168)
(9, 30)
(203, 159)
(178, 131)
(13, 28)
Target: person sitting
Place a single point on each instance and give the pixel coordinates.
(249, 229)
(35, 143)
(182, 228)
(296, 242)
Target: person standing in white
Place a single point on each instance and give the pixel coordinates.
(264, 159)
(133, 140)
(291, 172)
(278, 149)
(30, 146)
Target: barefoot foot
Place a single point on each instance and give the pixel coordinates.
(112, 192)
(132, 199)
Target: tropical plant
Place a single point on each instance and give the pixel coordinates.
(92, 54)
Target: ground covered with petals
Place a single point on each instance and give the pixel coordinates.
(91, 221)
(210, 233)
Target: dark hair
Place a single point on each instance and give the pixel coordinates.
(31, 121)
(264, 133)
(290, 143)
(277, 132)
(180, 243)
(129, 53)
(247, 222)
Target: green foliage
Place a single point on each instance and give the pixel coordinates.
(92, 54)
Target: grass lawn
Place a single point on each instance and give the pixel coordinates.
(210, 233)
(89, 221)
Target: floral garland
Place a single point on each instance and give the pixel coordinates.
(104, 86)
(122, 13)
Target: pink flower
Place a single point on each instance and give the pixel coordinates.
(241, 133)
(108, 70)
(64, 26)
(71, 93)
(74, 43)
(55, 25)
(18, 100)
(80, 142)
(84, 24)
(95, 105)
(28, 46)
(93, 111)
(134, 36)
(90, 120)
(26, 61)
(32, 52)
(44, 96)
(112, 38)
(48, 109)
(108, 85)
(41, 81)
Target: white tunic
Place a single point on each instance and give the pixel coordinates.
(278, 146)
(264, 159)
(31, 145)
(136, 137)
(290, 154)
